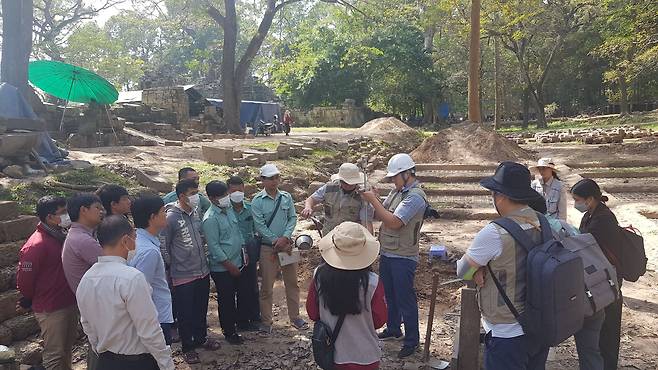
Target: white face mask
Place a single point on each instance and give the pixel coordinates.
(194, 200)
(64, 221)
(224, 202)
(237, 197)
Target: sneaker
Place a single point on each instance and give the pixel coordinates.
(265, 329)
(387, 335)
(407, 351)
(234, 339)
(299, 324)
(249, 326)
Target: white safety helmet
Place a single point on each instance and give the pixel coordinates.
(399, 163)
(269, 170)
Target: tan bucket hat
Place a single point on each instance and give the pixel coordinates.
(350, 174)
(544, 162)
(349, 246)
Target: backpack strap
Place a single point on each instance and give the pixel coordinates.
(546, 233)
(508, 302)
(334, 333)
(516, 231)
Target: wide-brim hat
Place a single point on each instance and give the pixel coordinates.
(513, 180)
(350, 174)
(349, 246)
(544, 163)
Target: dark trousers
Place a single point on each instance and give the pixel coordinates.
(166, 331)
(192, 309)
(248, 304)
(519, 353)
(112, 361)
(587, 342)
(397, 275)
(610, 333)
(227, 290)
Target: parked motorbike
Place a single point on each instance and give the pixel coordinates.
(263, 128)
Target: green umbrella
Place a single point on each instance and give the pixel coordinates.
(71, 83)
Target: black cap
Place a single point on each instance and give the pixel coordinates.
(216, 188)
(513, 180)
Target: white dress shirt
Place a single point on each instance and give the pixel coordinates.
(118, 314)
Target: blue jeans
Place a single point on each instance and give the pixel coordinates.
(397, 275)
(519, 353)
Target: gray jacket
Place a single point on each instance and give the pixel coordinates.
(183, 244)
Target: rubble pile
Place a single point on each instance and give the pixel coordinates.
(390, 129)
(586, 136)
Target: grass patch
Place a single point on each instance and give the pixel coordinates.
(270, 146)
(327, 129)
(27, 194)
(647, 121)
(209, 172)
(95, 176)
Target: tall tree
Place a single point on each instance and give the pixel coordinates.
(16, 42)
(474, 65)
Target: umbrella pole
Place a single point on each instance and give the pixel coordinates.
(109, 119)
(61, 123)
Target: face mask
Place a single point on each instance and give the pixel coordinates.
(224, 202)
(581, 206)
(64, 221)
(194, 200)
(237, 197)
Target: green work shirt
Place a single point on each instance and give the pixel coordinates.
(285, 220)
(204, 202)
(220, 227)
(245, 221)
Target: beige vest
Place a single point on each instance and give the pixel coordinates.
(340, 206)
(404, 241)
(510, 269)
(552, 193)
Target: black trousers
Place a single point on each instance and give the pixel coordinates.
(227, 292)
(248, 304)
(112, 361)
(166, 331)
(610, 334)
(192, 310)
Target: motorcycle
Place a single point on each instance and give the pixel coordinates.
(263, 128)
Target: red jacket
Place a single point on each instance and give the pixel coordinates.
(40, 277)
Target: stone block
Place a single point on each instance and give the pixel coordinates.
(8, 210)
(7, 278)
(8, 304)
(239, 161)
(153, 181)
(9, 253)
(307, 151)
(14, 171)
(237, 154)
(173, 143)
(254, 160)
(215, 155)
(17, 229)
(22, 326)
(28, 352)
(5, 335)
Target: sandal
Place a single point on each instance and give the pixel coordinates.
(211, 345)
(191, 357)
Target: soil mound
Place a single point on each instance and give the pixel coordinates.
(469, 143)
(390, 129)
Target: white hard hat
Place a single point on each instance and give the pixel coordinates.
(399, 163)
(269, 170)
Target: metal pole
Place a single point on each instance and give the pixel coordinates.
(61, 123)
(111, 125)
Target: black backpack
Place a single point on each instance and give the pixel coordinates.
(633, 261)
(324, 343)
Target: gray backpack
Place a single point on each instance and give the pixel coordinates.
(601, 286)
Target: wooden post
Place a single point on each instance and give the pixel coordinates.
(474, 65)
(430, 319)
(467, 343)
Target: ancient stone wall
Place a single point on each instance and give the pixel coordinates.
(171, 98)
(349, 115)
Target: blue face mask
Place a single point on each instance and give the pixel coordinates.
(581, 206)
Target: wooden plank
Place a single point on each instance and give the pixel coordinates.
(469, 331)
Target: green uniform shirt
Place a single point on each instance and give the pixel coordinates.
(204, 202)
(220, 227)
(285, 220)
(245, 221)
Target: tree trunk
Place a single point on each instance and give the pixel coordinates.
(497, 87)
(231, 88)
(474, 65)
(526, 108)
(623, 93)
(429, 111)
(17, 42)
(541, 112)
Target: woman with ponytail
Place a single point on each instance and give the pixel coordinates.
(599, 221)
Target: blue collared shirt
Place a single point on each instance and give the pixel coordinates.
(148, 260)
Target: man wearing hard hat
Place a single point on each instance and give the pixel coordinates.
(402, 215)
(340, 200)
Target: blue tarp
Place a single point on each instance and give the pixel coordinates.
(14, 105)
(253, 111)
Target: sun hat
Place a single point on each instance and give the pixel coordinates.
(349, 246)
(350, 174)
(269, 170)
(544, 162)
(513, 180)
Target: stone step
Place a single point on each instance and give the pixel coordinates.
(217, 155)
(9, 253)
(8, 210)
(17, 229)
(449, 179)
(454, 167)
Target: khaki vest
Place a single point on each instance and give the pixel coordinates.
(340, 206)
(404, 241)
(552, 194)
(510, 269)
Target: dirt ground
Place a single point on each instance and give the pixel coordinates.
(287, 348)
